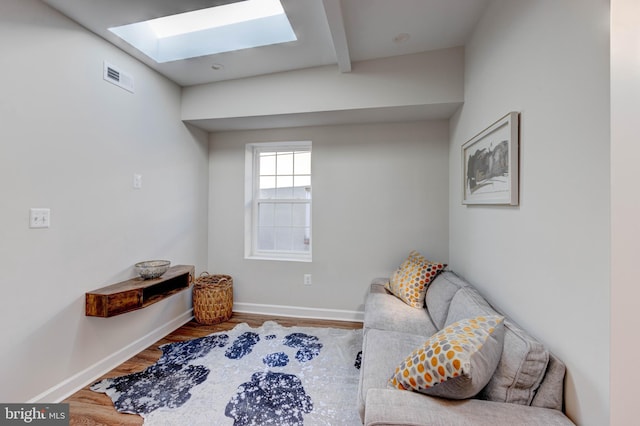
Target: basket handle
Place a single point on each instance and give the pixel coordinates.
(222, 279)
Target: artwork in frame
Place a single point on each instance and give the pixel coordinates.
(490, 164)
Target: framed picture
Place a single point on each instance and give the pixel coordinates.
(490, 164)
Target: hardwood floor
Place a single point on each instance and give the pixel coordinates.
(91, 408)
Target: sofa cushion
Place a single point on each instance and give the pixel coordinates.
(439, 295)
(409, 282)
(382, 351)
(467, 302)
(457, 362)
(550, 393)
(523, 362)
(383, 311)
(386, 407)
(521, 369)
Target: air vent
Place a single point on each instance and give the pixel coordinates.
(118, 77)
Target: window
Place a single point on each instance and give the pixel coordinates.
(278, 201)
(226, 28)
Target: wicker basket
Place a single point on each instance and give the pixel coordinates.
(212, 298)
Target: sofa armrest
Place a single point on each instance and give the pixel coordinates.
(387, 407)
(379, 282)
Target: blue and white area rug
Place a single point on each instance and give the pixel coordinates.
(271, 375)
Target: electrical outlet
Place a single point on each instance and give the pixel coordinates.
(137, 181)
(39, 218)
(307, 279)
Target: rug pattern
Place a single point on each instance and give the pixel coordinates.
(271, 375)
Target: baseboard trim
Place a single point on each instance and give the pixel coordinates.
(299, 312)
(79, 380)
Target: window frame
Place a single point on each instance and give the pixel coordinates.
(252, 200)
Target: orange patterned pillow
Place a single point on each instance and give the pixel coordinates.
(409, 283)
(456, 362)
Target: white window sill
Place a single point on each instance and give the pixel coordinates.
(277, 258)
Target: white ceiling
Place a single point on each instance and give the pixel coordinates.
(329, 32)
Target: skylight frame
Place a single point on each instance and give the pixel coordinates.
(214, 17)
(229, 32)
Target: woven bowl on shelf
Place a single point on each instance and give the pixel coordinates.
(212, 298)
(152, 269)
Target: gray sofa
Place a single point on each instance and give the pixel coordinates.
(525, 389)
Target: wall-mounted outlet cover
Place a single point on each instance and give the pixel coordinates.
(39, 218)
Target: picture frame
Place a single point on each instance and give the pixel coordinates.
(490, 164)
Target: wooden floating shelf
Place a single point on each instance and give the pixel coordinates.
(136, 293)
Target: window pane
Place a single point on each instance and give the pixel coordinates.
(302, 187)
(283, 214)
(285, 163)
(301, 241)
(302, 163)
(267, 187)
(301, 215)
(284, 181)
(267, 163)
(266, 214)
(266, 238)
(283, 239)
(304, 180)
(285, 186)
(267, 182)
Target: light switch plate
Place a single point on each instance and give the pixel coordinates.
(39, 218)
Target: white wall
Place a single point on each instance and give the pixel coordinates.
(546, 262)
(378, 192)
(72, 142)
(625, 209)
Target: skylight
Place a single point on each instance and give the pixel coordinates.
(241, 25)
